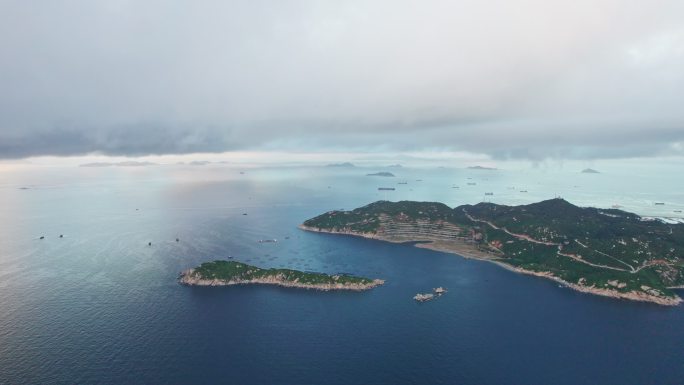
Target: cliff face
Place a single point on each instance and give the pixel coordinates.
(193, 278)
(417, 230)
(402, 228)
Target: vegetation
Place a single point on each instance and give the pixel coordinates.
(367, 219)
(238, 271)
(600, 248)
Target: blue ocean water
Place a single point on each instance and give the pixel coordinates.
(100, 306)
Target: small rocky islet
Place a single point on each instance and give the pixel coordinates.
(226, 273)
(436, 293)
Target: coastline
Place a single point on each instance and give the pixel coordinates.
(190, 278)
(468, 252)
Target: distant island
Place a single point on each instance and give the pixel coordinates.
(345, 164)
(606, 252)
(481, 168)
(199, 163)
(226, 273)
(382, 173)
(395, 166)
(590, 171)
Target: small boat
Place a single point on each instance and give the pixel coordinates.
(177, 240)
(471, 183)
(678, 211)
(42, 237)
(149, 243)
(616, 206)
(386, 189)
(660, 203)
(402, 183)
(523, 191)
(489, 193)
(268, 240)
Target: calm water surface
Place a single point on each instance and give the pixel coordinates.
(99, 306)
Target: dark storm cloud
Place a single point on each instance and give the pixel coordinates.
(135, 140)
(512, 79)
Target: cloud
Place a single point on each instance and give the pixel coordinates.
(118, 164)
(526, 79)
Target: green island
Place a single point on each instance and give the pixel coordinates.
(225, 273)
(607, 252)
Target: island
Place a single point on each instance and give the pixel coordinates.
(345, 164)
(226, 273)
(382, 173)
(481, 168)
(590, 171)
(607, 252)
(199, 163)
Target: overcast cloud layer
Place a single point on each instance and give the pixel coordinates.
(526, 79)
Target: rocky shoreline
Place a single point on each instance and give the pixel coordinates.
(631, 295)
(468, 251)
(192, 278)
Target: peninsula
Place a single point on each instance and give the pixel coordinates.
(226, 273)
(606, 252)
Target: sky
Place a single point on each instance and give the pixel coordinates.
(519, 80)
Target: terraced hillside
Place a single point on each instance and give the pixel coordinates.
(401, 227)
(607, 252)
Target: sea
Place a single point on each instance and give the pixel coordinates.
(94, 303)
